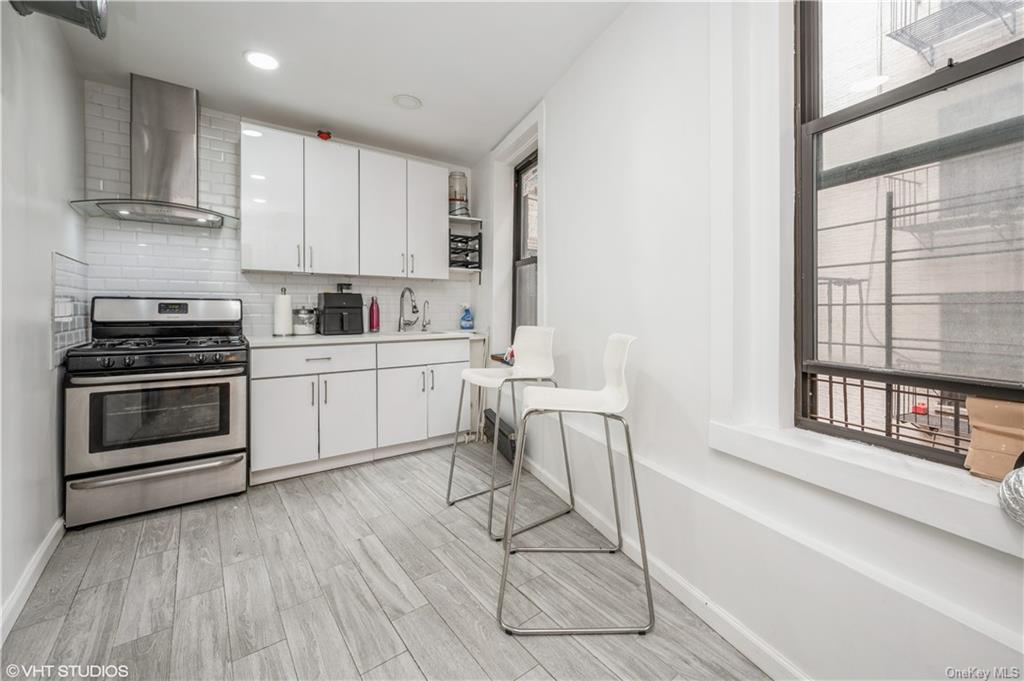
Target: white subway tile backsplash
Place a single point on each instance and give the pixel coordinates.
(139, 259)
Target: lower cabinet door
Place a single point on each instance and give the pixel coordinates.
(444, 381)
(348, 412)
(401, 405)
(284, 421)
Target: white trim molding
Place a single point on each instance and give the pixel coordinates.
(30, 575)
(933, 494)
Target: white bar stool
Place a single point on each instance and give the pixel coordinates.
(609, 402)
(534, 362)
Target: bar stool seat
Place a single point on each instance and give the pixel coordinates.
(609, 402)
(534, 363)
(490, 378)
(571, 400)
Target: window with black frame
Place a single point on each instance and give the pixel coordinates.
(910, 218)
(524, 248)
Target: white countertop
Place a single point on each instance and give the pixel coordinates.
(394, 337)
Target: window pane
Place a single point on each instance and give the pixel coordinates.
(920, 219)
(526, 295)
(870, 47)
(528, 212)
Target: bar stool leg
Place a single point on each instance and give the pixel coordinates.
(455, 446)
(615, 492)
(509, 550)
(639, 526)
(494, 454)
(521, 437)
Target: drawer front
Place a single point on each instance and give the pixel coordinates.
(414, 353)
(102, 497)
(313, 359)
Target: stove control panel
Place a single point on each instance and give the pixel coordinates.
(207, 357)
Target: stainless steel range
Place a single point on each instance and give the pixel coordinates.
(155, 407)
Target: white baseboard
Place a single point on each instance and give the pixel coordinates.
(771, 661)
(30, 575)
(309, 467)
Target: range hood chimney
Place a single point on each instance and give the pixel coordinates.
(164, 161)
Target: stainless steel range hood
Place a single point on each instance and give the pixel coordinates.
(164, 161)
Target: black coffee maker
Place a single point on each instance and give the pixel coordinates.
(340, 313)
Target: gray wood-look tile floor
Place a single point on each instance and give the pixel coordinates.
(356, 573)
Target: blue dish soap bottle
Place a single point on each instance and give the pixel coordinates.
(466, 321)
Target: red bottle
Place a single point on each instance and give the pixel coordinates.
(374, 315)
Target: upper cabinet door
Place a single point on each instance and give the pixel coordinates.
(332, 207)
(382, 245)
(271, 216)
(428, 221)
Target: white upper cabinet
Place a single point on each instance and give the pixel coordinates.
(331, 207)
(427, 191)
(271, 193)
(382, 211)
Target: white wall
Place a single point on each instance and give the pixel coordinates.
(42, 169)
(666, 178)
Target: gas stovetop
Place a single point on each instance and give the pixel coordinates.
(115, 345)
(134, 335)
(141, 354)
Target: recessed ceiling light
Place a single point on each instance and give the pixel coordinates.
(407, 101)
(259, 200)
(261, 60)
(124, 212)
(249, 132)
(869, 84)
(200, 219)
(257, 176)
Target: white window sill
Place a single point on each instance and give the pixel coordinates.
(940, 496)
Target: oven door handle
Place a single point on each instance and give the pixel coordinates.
(167, 376)
(152, 475)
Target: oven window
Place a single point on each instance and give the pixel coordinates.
(136, 418)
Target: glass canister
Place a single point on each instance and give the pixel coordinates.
(458, 194)
(304, 321)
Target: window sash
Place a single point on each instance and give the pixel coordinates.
(810, 124)
(518, 260)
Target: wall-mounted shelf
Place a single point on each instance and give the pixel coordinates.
(466, 220)
(465, 246)
(466, 272)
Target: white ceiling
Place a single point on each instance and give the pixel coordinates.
(478, 67)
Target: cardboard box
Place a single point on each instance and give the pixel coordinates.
(997, 437)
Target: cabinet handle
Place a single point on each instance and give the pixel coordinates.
(317, 359)
(423, 375)
(403, 263)
(412, 257)
(325, 391)
(312, 393)
(431, 379)
(310, 258)
(298, 256)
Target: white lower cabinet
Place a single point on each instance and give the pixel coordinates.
(401, 405)
(284, 421)
(305, 418)
(348, 412)
(418, 402)
(444, 383)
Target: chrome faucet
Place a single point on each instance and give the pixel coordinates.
(404, 323)
(426, 319)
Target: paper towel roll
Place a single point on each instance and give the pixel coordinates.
(283, 314)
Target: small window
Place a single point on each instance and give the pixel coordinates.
(524, 251)
(910, 210)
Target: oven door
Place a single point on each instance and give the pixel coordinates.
(117, 421)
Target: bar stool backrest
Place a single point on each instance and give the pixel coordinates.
(533, 347)
(616, 351)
